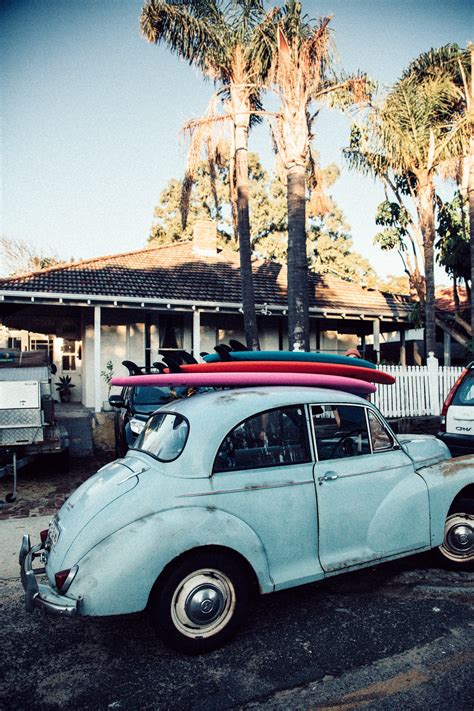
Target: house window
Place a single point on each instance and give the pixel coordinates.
(171, 333)
(14, 343)
(42, 343)
(69, 354)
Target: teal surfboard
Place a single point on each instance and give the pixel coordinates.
(294, 356)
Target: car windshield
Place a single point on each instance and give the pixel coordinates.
(164, 436)
(152, 395)
(465, 392)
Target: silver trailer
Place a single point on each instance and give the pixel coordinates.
(28, 426)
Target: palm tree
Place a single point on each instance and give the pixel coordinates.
(409, 137)
(301, 73)
(456, 65)
(227, 42)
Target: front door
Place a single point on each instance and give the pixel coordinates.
(371, 503)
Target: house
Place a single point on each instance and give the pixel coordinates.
(181, 296)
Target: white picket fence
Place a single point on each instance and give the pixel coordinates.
(417, 391)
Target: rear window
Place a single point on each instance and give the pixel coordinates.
(164, 436)
(465, 393)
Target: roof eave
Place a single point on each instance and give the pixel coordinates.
(16, 296)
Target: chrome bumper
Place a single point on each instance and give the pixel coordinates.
(41, 594)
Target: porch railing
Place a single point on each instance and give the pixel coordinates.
(417, 391)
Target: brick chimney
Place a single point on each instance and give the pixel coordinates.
(205, 238)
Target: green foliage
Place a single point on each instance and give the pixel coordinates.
(64, 384)
(394, 285)
(108, 373)
(395, 218)
(453, 243)
(390, 238)
(167, 226)
(392, 214)
(329, 245)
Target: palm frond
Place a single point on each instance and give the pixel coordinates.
(187, 30)
(445, 58)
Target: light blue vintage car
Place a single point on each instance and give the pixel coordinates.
(252, 490)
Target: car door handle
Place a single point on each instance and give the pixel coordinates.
(329, 476)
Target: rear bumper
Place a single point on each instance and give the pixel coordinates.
(458, 444)
(37, 594)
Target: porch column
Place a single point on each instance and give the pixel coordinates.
(196, 334)
(147, 342)
(403, 347)
(447, 348)
(97, 349)
(376, 334)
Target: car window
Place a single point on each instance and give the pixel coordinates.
(340, 431)
(271, 438)
(465, 393)
(381, 437)
(151, 395)
(164, 436)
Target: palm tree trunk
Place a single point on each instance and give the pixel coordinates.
(298, 288)
(470, 199)
(425, 206)
(470, 194)
(245, 250)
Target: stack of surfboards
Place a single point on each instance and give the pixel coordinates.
(242, 368)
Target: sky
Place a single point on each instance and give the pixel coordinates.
(91, 116)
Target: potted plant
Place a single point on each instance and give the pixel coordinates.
(64, 387)
(107, 374)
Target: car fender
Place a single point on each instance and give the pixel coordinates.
(117, 575)
(445, 481)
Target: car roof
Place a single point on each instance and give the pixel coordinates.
(245, 401)
(212, 415)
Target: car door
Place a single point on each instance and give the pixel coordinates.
(460, 414)
(371, 503)
(263, 474)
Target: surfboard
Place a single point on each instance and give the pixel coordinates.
(370, 375)
(194, 380)
(295, 356)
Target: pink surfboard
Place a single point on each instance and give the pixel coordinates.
(279, 366)
(195, 380)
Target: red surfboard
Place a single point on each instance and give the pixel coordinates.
(370, 375)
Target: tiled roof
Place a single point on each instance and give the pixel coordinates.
(445, 299)
(176, 272)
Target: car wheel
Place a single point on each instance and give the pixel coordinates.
(457, 549)
(200, 603)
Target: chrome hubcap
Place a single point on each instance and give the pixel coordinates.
(203, 603)
(458, 542)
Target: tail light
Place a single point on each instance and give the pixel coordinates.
(452, 393)
(64, 579)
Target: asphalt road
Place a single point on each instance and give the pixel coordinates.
(399, 635)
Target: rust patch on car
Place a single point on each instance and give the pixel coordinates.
(451, 467)
(227, 398)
